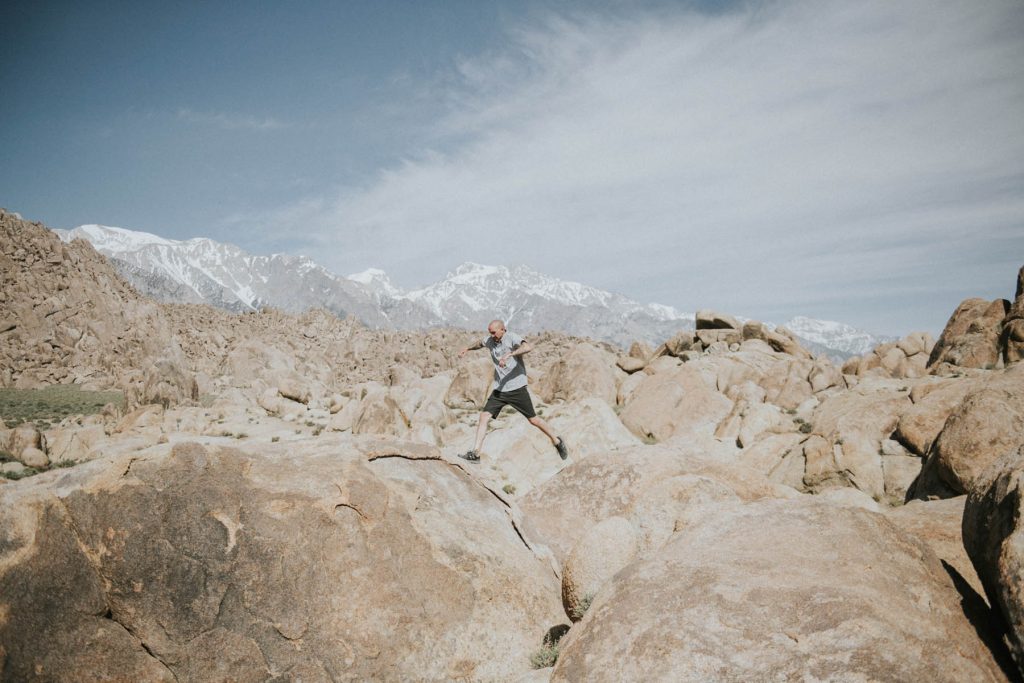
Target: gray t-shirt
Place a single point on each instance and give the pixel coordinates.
(513, 375)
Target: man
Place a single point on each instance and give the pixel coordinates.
(509, 388)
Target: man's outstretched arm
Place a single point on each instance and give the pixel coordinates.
(474, 347)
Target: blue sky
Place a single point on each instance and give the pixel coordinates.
(861, 162)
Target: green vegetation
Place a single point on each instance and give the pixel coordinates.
(649, 439)
(544, 657)
(47, 407)
(806, 428)
(509, 489)
(584, 605)
(275, 439)
(27, 472)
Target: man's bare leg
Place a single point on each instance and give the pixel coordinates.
(481, 430)
(544, 427)
(556, 441)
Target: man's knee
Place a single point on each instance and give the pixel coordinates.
(485, 417)
(535, 421)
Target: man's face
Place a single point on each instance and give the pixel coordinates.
(496, 332)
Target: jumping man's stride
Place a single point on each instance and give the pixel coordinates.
(509, 388)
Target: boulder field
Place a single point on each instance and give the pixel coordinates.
(279, 498)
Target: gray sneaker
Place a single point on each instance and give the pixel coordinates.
(563, 452)
(470, 455)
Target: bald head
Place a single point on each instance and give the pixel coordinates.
(496, 329)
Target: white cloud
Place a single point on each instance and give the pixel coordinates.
(229, 121)
(834, 159)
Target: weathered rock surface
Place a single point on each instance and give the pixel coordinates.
(1013, 325)
(584, 371)
(603, 550)
(903, 359)
(933, 402)
(623, 483)
(763, 591)
(471, 385)
(677, 402)
(522, 456)
(851, 427)
(375, 560)
(993, 531)
(988, 423)
(937, 523)
(67, 316)
(971, 337)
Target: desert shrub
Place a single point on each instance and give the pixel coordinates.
(510, 489)
(52, 404)
(583, 606)
(544, 657)
(806, 427)
(27, 472)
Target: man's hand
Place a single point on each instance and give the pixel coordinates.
(503, 359)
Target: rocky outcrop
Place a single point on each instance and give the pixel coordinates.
(934, 402)
(1013, 325)
(971, 337)
(988, 423)
(762, 591)
(376, 560)
(993, 531)
(603, 550)
(679, 401)
(584, 371)
(68, 317)
(630, 483)
(471, 385)
(847, 434)
(906, 358)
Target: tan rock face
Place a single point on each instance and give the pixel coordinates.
(583, 371)
(988, 423)
(762, 591)
(850, 428)
(971, 337)
(993, 534)
(920, 424)
(623, 483)
(1013, 325)
(707, 319)
(904, 359)
(23, 437)
(603, 550)
(673, 403)
(629, 364)
(937, 523)
(67, 316)
(370, 562)
(471, 385)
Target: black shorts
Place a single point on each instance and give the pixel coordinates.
(517, 398)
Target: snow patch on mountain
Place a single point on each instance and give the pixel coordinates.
(202, 270)
(836, 335)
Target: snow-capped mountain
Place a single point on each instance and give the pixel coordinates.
(838, 337)
(474, 294)
(204, 271)
(201, 270)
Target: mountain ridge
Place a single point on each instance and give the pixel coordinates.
(202, 270)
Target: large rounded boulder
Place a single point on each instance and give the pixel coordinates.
(348, 560)
(780, 591)
(993, 531)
